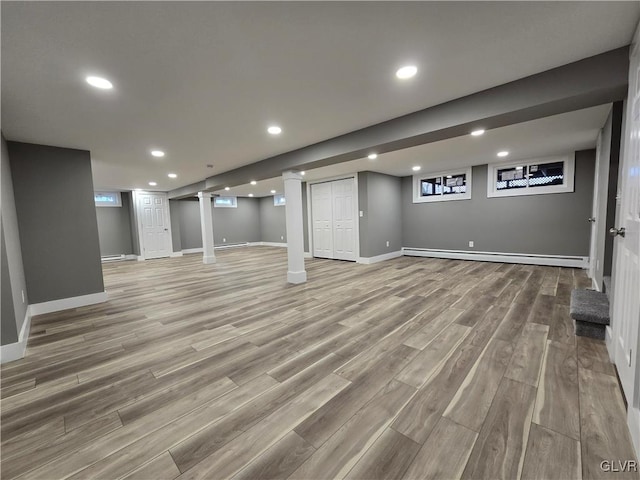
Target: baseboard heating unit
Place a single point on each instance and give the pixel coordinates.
(526, 258)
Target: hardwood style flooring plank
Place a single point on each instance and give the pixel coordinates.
(444, 454)
(471, 403)
(500, 448)
(603, 434)
(401, 369)
(557, 402)
(528, 354)
(551, 456)
(279, 461)
(388, 457)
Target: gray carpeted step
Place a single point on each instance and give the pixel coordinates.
(590, 310)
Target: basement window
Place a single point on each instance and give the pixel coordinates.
(107, 199)
(279, 201)
(438, 187)
(225, 202)
(531, 177)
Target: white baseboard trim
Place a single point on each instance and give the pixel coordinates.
(380, 258)
(187, 251)
(118, 258)
(67, 303)
(140, 258)
(231, 245)
(273, 244)
(594, 284)
(297, 277)
(175, 254)
(308, 255)
(633, 422)
(16, 351)
(526, 258)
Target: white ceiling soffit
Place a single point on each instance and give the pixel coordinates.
(203, 80)
(559, 134)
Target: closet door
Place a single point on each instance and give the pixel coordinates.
(322, 216)
(342, 192)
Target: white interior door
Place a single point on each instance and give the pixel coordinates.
(343, 219)
(626, 302)
(154, 223)
(322, 218)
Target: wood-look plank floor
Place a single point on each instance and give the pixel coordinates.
(410, 368)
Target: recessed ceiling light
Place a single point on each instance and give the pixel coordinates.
(449, 176)
(407, 72)
(416, 168)
(138, 189)
(504, 153)
(372, 156)
(273, 191)
(253, 182)
(301, 173)
(477, 133)
(172, 175)
(99, 82)
(251, 194)
(518, 168)
(227, 188)
(157, 153)
(153, 184)
(274, 130)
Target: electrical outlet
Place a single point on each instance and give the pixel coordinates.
(471, 243)
(387, 243)
(224, 240)
(361, 213)
(281, 237)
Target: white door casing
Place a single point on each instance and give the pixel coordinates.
(154, 225)
(595, 217)
(625, 339)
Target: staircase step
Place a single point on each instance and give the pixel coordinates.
(590, 310)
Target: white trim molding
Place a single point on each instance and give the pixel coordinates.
(187, 251)
(633, 422)
(525, 258)
(565, 187)
(16, 351)
(271, 244)
(176, 254)
(380, 258)
(67, 303)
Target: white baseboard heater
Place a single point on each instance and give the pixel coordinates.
(526, 258)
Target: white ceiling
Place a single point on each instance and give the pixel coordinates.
(203, 80)
(556, 135)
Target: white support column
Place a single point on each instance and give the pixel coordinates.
(295, 239)
(206, 223)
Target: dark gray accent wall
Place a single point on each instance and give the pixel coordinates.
(174, 213)
(379, 199)
(234, 225)
(135, 238)
(553, 224)
(15, 297)
(273, 226)
(53, 191)
(114, 228)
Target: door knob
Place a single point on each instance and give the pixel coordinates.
(616, 231)
(591, 219)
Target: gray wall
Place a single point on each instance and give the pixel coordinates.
(14, 284)
(57, 221)
(234, 225)
(552, 224)
(114, 228)
(379, 198)
(176, 240)
(273, 226)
